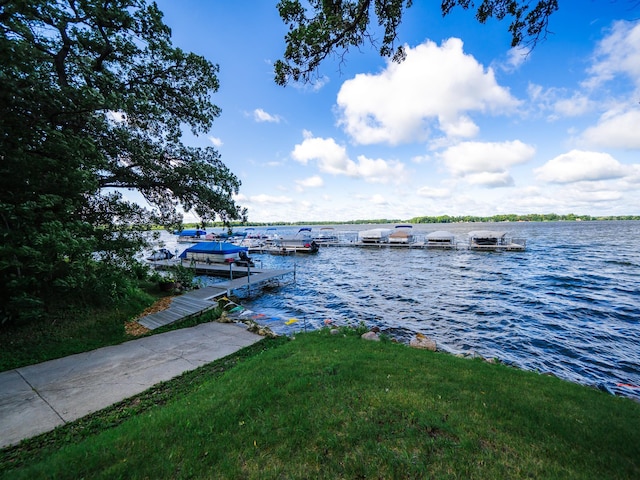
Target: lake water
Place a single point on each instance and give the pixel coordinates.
(569, 305)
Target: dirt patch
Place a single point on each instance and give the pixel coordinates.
(133, 328)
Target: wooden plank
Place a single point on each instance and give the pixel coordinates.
(200, 300)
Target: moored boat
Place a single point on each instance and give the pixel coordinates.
(440, 239)
(402, 235)
(214, 252)
(375, 235)
(490, 240)
(192, 236)
(302, 242)
(161, 254)
(326, 236)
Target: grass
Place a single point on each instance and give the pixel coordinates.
(336, 406)
(72, 329)
(75, 329)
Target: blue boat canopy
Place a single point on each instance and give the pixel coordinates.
(191, 233)
(222, 248)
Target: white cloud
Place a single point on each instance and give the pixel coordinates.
(333, 158)
(580, 166)
(515, 58)
(378, 199)
(615, 129)
(490, 179)
(617, 54)
(429, 192)
(315, 85)
(486, 164)
(434, 87)
(558, 102)
(269, 199)
(421, 159)
(311, 182)
(216, 141)
(260, 115)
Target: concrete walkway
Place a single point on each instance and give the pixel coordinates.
(38, 398)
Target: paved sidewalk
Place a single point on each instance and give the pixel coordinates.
(37, 398)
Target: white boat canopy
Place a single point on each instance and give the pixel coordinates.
(486, 234)
(440, 235)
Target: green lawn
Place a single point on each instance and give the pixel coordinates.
(336, 406)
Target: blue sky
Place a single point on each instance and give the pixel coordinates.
(464, 126)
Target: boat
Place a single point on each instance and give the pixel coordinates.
(301, 242)
(375, 235)
(192, 236)
(214, 252)
(440, 239)
(490, 240)
(326, 236)
(254, 240)
(402, 235)
(162, 254)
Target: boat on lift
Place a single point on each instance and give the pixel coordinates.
(440, 239)
(488, 240)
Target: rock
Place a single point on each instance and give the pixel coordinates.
(423, 342)
(371, 336)
(334, 331)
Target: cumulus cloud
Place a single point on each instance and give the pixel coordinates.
(486, 164)
(580, 166)
(311, 182)
(615, 129)
(259, 115)
(216, 141)
(333, 158)
(435, 87)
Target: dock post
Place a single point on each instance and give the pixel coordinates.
(231, 271)
(249, 278)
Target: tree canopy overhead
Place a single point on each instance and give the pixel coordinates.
(94, 99)
(330, 27)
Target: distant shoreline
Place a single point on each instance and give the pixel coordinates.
(443, 219)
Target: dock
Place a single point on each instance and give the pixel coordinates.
(195, 302)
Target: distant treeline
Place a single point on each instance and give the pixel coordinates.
(532, 217)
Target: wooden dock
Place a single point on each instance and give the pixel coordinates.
(200, 300)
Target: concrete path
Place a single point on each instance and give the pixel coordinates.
(37, 398)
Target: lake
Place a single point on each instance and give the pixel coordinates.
(569, 305)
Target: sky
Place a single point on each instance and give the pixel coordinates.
(464, 126)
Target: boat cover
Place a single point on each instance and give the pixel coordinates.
(191, 233)
(486, 234)
(440, 235)
(222, 248)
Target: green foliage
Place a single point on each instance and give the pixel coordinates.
(321, 28)
(94, 98)
(180, 274)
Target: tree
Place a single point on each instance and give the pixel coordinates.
(333, 26)
(94, 99)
